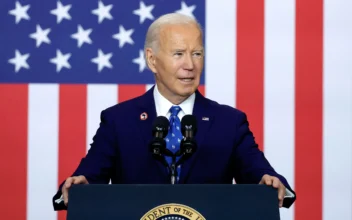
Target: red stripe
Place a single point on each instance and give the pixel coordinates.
(201, 89)
(250, 64)
(126, 92)
(13, 151)
(308, 129)
(72, 130)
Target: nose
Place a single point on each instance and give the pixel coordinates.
(188, 62)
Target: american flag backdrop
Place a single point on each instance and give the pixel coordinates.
(286, 63)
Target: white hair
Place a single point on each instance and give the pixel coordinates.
(152, 38)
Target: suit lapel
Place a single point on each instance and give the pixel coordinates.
(146, 105)
(204, 118)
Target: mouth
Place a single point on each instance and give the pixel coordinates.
(186, 79)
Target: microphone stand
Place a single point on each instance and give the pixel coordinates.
(174, 165)
(190, 147)
(173, 170)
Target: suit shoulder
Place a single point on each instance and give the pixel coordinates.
(122, 107)
(225, 110)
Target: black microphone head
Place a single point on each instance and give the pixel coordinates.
(189, 122)
(161, 125)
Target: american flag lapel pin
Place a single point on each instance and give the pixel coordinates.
(205, 118)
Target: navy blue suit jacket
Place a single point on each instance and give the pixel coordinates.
(226, 148)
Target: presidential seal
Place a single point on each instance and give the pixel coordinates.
(172, 211)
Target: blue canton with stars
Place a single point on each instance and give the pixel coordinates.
(92, 41)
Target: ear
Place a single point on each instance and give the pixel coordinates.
(150, 59)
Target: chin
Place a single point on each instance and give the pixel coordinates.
(187, 91)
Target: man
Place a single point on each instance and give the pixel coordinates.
(226, 147)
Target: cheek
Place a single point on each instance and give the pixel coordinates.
(176, 68)
(171, 66)
(199, 63)
(198, 70)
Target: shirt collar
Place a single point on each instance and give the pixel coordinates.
(163, 105)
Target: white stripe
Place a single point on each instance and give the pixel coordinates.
(99, 97)
(279, 89)
(220, 51)
(42, 167)
(337, 123)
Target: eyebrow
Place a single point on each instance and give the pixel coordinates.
(201, 49)
(178, 50)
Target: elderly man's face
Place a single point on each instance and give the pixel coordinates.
(178, 64)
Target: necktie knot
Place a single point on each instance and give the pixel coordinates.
(175, 110)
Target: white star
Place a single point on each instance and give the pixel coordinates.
(19, 61)
(186, 10)
(61, 12)
(140, 61)
(124, 36)
(102, 12)
(41, 36)
(61, 60)
(82, 36)
(144, 12)
(102, 60)
(20, 12)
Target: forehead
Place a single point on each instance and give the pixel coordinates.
(180, 34)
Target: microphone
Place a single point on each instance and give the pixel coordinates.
(160, 127)
(157, 145)
(188, 144)
(189, 126)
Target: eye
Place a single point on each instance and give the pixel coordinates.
(178, 54)
(198, 54)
